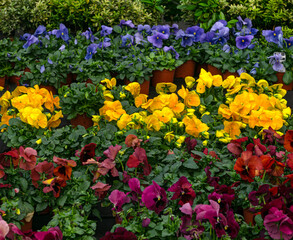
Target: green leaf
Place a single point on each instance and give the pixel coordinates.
(288, 77)
(41, 206)
(61, 200)
(190, 164)
(258, 220)
(23, 184)
(117, 29)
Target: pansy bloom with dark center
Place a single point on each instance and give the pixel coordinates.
(154, 197)
(87, 152)
(182, 190)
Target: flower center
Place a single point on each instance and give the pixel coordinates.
(275, 34)
(157, 37)
(163, 31)
(242, 40)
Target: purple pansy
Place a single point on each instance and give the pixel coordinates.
(174, 28)
(127, 23)
(139, 38)
(243, 42)
(157, 39)
(186, 39)
(207, 37)
(31, 40)
(278, 224)
(88, 34)
(127, 40)
(243, 23)
(146, 28)
(154, 197)
(62, 48)
(275, 60)
(106, 43)
(274, 36)
(118, 198)
(91, 50)
(106, 31)
(42, 69)
(40, 30)
(62, 32)
(196, 31)
(171, 48)
(164, 29)
(226, 48)
(50, 61)
(289, 42)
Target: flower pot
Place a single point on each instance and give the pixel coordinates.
(68, 81)
(200, 66)
(2, 81)
(162, 76)
(227, 74)
(213, 70)
(27, 226)
(144, 87)
(82, 120)
(14, 80)
(249, 216)
(49, 88)
(280, 75)
(186, 69)
(27, 70)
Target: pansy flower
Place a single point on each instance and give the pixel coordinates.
(101, 189)
(157, 39)
(42, 169)
(155, 198)
(87, 152)
(118, 198)
(28, 158)
(243, 42)
(55, 185)
(248, 166)
(119, 233)
(182, 190)
(64, 169)
(105, 31)
(275, 36)
(127, 23)
(288, 141)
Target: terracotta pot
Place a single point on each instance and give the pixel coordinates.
(162, 76)
(27, 226)
(82, 120)
(144, 87)
(14, 80)
(213, 70)
(288, 87)
(27, 70)
(227, 74)
(186, 69)
(200, 66)
(249, 216)
(68, 81)
(49, 88)
(2, 81)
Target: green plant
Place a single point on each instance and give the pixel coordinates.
(22, 15)
(81, 98)
(74, 14)
(200, 11)
(110, 12)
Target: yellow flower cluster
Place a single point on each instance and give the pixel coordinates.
(155, 114)
(252, 105)
(34, 106)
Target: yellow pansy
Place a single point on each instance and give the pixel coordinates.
(190, 81)
(55, 120)
(169, 136)
(112, 110)
(109, 83)
(232, 128)
(193, 126)
(133, 88)
(181, 139)
(152, 123)
(165, 115)
(39, 141)
(140, 99)
(122, 95)
(165, 87)
(108, 95)
(123, 121)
